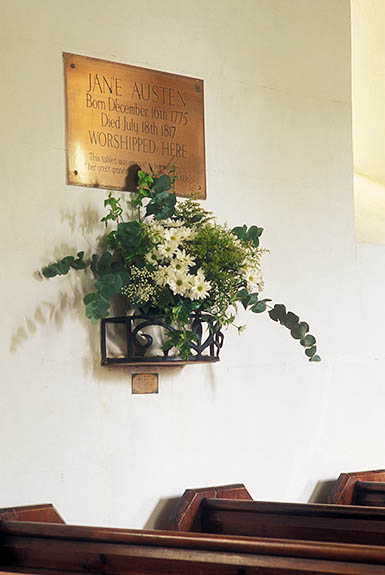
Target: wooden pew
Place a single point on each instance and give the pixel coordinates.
(43, 513)
(55, 548)
(359, 488)
(203, 511)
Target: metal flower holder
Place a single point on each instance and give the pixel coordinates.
(139, 345)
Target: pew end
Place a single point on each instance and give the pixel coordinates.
(359, 488)
(41, 513)
(185, 516)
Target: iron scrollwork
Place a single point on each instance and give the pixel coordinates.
(139, 345)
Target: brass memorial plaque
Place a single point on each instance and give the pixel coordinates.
(144, 383)
(120, 117)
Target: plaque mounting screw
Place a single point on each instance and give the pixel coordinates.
(72, 65)
(75, 172)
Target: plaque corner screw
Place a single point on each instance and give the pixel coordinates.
(75, 172)
(72, 65)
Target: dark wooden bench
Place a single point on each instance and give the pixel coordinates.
(56, 548)
(206, 511)
(360, 488)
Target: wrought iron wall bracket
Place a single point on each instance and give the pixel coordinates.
(138, 344)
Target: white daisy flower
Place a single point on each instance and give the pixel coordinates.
(179, 283)
(199, 287)
(178, 265)
(169, 223)
(161, 276)
(253, 279)
(184, 258)
(174, 235)
(167, 249)
(152, 257)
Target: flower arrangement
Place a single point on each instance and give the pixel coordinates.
(174, 260)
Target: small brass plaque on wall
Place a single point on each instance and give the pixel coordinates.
(144, 383)
(119, 117)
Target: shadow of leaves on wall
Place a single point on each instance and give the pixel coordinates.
(86, 221)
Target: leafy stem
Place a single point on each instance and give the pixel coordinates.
(298, 329)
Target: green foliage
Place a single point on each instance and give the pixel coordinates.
(145, 182)
(115, 208)
(181, 339)
(63, 266)
(130, 241)
(192, 213)
(248, 235)
(252, 301)
(161, 205)
(298, 329)
(111, 277)
(216, 266)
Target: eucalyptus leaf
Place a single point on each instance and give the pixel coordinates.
(299, 331)
(254, 234)
(278, 313)
(259, 307)
(161, 184)
(311, 351)
(240, 231)
(291, 320)
(308, 340)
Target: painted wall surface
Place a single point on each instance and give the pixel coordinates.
(368, 96)
(279, 155)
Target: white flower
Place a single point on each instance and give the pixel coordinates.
(179, 283)
(161, 276)
(174, 235)
(184, 258)
(188, 234)
(169, 223)
(167, 249)
(253, 279)
(155, 231)
(199, 287)
(152, 257)
(178, 265)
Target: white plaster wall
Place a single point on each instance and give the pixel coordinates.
(278, 130)
(368, 94)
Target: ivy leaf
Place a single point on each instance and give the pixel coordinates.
(315, 358)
